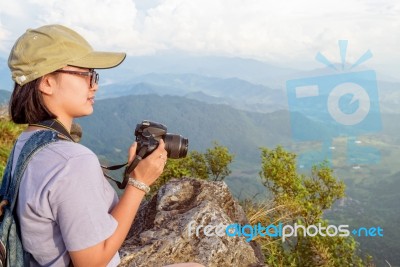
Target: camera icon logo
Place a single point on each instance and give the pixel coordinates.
(357, 93)
(325, 107)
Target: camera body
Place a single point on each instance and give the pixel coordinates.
(148, 135)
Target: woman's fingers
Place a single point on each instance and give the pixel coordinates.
(151, 167)
(161, 149)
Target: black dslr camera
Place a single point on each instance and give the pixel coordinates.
(148, 135)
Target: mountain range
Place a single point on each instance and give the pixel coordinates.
(234, 92)
(242, 83)
(242, 104)
(243, 132)
(110, 131)
(4, 96)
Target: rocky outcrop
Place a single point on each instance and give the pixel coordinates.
(167, 228)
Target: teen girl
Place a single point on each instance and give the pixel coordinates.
(68, 212)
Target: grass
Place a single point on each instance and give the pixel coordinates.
(8, 134)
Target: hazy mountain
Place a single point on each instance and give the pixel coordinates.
(4, 96)
(5, 76)
(175, 62)
(115, 120)
(110, 129)
(389, 96)
(254, 71)
(235, 92)
(388, 88)
(372, 189)
(238, 93)
(228, 74)
(165, 88)
(200, 96)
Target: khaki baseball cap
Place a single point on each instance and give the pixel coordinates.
(49, 48)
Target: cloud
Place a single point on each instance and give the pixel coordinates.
(107, 24)
(270, 30)
(11, 16)
(284, 32)
(4, 34)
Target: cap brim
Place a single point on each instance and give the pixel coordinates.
(99, 60)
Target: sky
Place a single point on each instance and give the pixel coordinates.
(287, 33)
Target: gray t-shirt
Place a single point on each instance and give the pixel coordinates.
(64, 203)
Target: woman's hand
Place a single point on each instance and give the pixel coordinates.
(150, 168)
(147, 171)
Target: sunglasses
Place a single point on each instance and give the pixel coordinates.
(94, 76)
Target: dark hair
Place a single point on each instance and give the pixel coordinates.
(27, 105)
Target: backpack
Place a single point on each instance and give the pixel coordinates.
(12, 253)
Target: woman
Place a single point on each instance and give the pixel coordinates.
(68, 212)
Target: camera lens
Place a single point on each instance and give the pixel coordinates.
(176, 146)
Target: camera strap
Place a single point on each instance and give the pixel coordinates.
(128, 169)
(57, 126)
(54, 125)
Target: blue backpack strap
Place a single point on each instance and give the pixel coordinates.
(36, 142)
(11, 249)
(5, 184)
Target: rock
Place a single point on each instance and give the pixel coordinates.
(160, 232)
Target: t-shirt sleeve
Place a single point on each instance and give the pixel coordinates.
(79, 205)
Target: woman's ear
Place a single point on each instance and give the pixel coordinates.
(47, 84)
